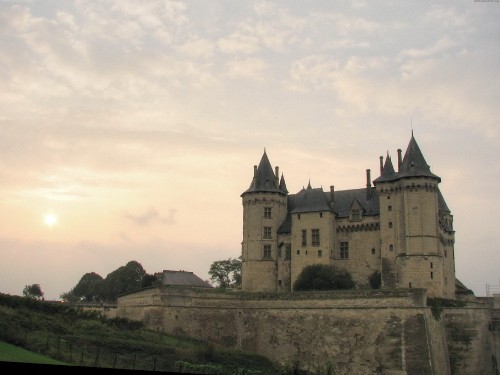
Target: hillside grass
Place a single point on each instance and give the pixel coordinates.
(13, 353)
(69, 335)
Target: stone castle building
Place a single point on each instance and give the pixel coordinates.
(398, 225)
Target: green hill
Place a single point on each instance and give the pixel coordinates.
(68, 334)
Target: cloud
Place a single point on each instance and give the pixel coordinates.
(239, 42)
(151, 216)
(248, 67)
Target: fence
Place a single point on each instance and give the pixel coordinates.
(77, 354)
(85, 355)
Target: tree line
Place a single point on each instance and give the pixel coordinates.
(225, 274)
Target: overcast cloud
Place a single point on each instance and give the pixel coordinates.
(138, 123)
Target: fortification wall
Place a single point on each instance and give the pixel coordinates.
(470, 339)
(350, 332)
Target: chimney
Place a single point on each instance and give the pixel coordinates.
(277, 170)
(255, 171)
(332, 195)
(399, 159)
(381, 164)
(368, 184)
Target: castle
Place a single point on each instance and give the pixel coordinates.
(398, 226)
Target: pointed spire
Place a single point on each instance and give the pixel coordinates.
(387, 173)
(413, 163)
(309, 185)
(283, 184)
(264, 179)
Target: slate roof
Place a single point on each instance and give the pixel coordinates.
(264, 179)
(344, 199)
(388, 173)
(316, 200)
(183, 278)
(309, 200)
(412, 165)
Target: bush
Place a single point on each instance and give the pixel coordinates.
(323, 277)
(376, 280)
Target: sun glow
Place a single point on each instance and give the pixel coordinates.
(50, 219)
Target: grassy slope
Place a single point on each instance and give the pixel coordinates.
(48, 328)
(12, 353)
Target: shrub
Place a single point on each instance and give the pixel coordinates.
(376, 280)
(323, 277)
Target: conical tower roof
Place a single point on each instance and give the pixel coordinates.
(264, 179)
(388, 173)
(414, 164)
(283, 185)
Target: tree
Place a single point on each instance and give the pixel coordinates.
(323, 277)
(149, 280)
(33, 291)
(93, 288)
(88, 288)
(226, 273)
(125, 279)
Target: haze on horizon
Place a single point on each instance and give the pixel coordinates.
(128, 130)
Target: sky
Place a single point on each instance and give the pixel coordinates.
(136, 124)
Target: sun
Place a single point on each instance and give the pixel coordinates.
(50, 219)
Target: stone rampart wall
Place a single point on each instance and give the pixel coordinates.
(350, 332)
(470, 339)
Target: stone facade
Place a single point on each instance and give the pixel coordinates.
(400, 226)
(356, 332)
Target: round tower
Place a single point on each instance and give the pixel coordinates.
(264, 210)
(412, 253)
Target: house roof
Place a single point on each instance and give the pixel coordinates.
(183, 278)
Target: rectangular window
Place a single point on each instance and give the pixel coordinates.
(432, 275)
(267, 233)
(288, 253)
(390, 224)
(389, 208)
(304, 237)
(315, 237)
(267, 251)
(298, 252)
(267, 212)
(344, 250)
(373, 250)
(320, 253)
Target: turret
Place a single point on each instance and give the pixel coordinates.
(409, 222)
(264, 210)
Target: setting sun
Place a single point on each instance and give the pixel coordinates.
(50, 220)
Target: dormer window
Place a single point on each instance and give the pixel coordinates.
(356, 214)
(356, 211)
